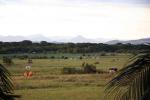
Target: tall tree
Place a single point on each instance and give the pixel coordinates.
(132, 82)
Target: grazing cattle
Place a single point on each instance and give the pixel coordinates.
(113, 70)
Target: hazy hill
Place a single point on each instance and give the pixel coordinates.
(62, 39)
(139, 41)
(11, 38)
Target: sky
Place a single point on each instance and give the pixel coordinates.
(116, 19)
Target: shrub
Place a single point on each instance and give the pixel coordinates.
(65, 57)
(52, 57)
(80, 57)
(88, 55)
(7, 60)
(96, 62)
(112, 54)
(89, 68)
(83, 64)
(99, 71)
(103, 54)
(72, 71)
(30, 61)
(62, 57)
(83, 54)
(86, 69)
(21, 57)
(39, 57)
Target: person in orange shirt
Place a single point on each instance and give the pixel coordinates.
(28, 73)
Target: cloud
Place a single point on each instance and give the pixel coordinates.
(60, 17)
(112, 1)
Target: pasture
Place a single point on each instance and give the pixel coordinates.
(48, 82)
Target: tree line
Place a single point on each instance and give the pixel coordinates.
(27, 46)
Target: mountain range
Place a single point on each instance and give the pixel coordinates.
(63, 39)
(60, 39)
(138, 41)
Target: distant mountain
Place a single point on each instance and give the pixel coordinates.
(102, 40)
(12, 38)
(114, 42)
(63, 39)
(54, 39)
(35, 38)
(38, 38)
(81, 39)
(138, 41)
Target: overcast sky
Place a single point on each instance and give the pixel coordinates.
(118, 19)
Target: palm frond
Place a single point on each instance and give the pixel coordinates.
(133, 81)
(6, 86)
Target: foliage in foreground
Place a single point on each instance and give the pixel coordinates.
(132, 82)
(6, 86)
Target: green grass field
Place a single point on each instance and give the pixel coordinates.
(48, 82)
(71, 93)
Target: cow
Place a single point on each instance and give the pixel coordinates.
(113, 70)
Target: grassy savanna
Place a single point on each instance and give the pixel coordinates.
(48, 82)
(72, 93)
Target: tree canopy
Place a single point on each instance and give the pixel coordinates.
(27, 46)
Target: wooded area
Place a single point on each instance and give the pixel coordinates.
(27, 46)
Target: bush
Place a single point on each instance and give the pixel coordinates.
(89, 68)
(52, 57)
(39, 57)
(103, 54)
(86, 69)
(83, 64)
(80, 57)
(30, 61)
(99, 71)
(63, 57)
(7, 60)
(22, 57)
(83, 54)
(96, 62)
(72, 71)
(112, 54)
(66, 58)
